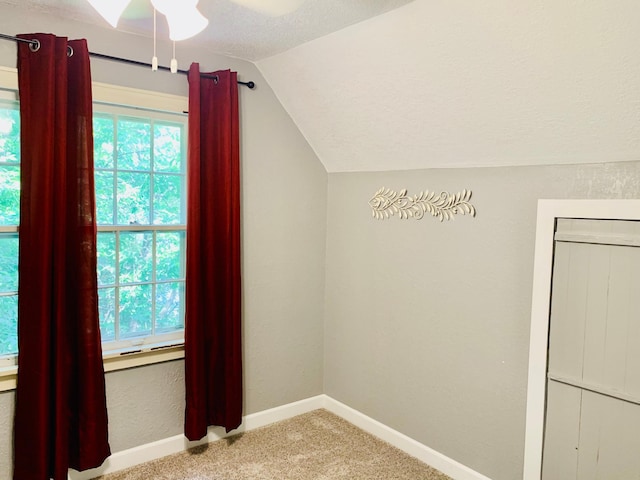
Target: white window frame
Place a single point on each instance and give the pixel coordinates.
(137, 353)
(7, 362)
(123, 112)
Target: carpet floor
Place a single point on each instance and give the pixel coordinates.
(314, 446)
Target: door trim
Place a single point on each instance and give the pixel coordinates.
(548, 212)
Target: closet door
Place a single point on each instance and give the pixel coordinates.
(592, 426)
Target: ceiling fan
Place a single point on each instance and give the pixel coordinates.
(183, 16)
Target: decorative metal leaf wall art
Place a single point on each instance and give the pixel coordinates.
(386, 203)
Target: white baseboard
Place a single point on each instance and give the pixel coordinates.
(179, 443)
(169, 446)
(441, 462)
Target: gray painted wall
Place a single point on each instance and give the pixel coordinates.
(427, 323)
(6, 433)
(283, 226)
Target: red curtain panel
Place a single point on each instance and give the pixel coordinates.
(60, 412)
(213, 347)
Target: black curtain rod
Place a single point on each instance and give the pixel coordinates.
(102, 56)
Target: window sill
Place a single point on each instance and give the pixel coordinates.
(149, 355)
(8, 378)
(113, 361)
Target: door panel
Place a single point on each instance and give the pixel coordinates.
(609, 439)
(593, 388)
(560, 459)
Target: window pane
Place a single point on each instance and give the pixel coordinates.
(8, 262)
(9, 194)
(106, 258)
(136, 264)
(140, 181)
(169, 255)
(103, 142)
(135, 310)
(107, 308)
(167, 200)
(8, 325)
(134, 145)
(9, 132)
(167, 151)
(169, 297)
(104, 197)
(133, 198)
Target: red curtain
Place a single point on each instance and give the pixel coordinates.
(60, 413)
(213, 349)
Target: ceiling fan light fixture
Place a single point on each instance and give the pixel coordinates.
(184, 19)
(186, 25)
(111, 10)
(166, 6)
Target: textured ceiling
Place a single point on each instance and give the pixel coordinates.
(233, 29)
(455, 83)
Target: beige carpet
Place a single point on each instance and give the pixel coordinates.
(315, 446)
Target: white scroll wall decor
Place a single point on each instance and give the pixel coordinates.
(386, 203)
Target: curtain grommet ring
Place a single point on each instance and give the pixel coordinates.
(34, 45)
(69, 51)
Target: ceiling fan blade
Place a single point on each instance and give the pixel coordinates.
(273, 8)
(110, 10)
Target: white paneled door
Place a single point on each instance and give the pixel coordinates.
(592, 425)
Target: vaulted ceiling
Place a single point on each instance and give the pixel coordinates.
(457, 83)
(401, 84)
(238, 28)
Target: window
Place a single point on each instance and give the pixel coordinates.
(140, 181)
(140, 177)
(9, 217)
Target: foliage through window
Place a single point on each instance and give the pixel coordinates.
(140, 181)
(9, 218)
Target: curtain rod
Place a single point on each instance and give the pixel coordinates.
(102, 56)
